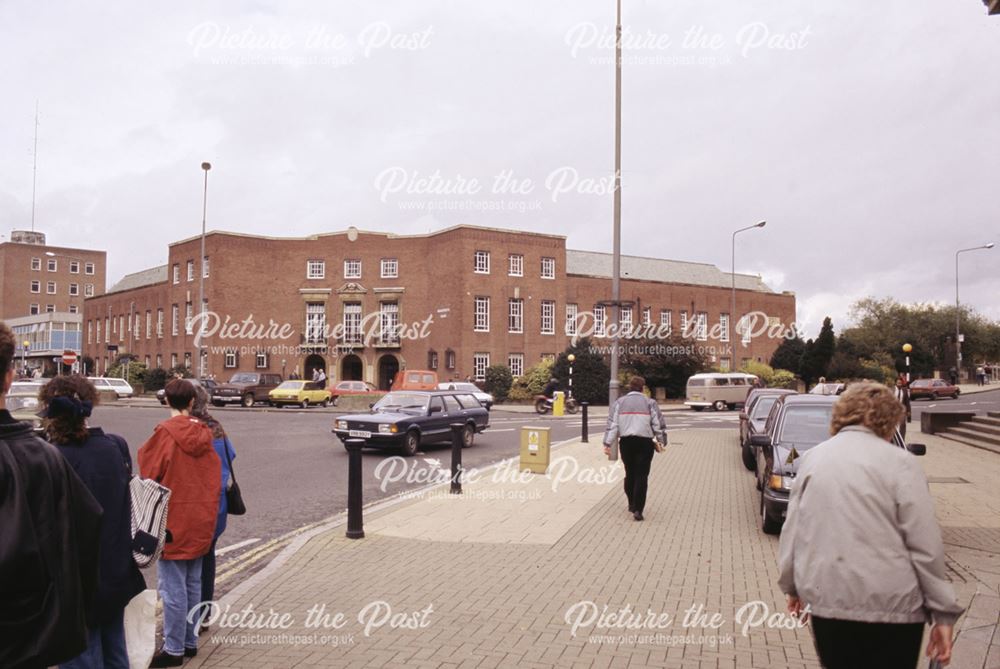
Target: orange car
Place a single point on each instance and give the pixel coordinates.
(415, 379)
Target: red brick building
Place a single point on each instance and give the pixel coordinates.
(362, 305)
(37, 278)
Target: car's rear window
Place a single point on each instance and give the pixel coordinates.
(468, 401)
(805, 426)
(696, 382)
(762, 406)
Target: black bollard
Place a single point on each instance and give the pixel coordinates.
(585, 437)
(355, 521)
(456, 457)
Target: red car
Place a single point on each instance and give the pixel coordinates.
(933, 389)
(342, 388)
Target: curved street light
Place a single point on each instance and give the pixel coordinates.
(958, 343)
(732, 315)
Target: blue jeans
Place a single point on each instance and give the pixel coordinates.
(180, 588)
(105, 647)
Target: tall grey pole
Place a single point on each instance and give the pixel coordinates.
(201, 280)
(616, 257)
(733, 322)
(958, 344)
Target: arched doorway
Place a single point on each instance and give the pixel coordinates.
(313, 362)
(351, 368)
(388, 365)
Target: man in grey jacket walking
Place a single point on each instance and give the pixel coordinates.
(635, 420)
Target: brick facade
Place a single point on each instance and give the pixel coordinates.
(264, 283)
(31, 280)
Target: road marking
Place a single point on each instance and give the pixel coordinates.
(236, 546)
(508, 429)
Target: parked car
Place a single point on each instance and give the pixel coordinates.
(753, 417)
(409, 419)
(795, 422)
(720, 391)
(484, 398)
(415, 379)
(246, 388)
(120, 387)
(208, 384)
(22, 401)
(303, 393)
(346, 388)
(933, 389)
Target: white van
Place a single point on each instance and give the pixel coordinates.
(718, 390)
(107, 384)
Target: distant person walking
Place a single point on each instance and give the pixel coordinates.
(103, 463)
(224, 449)
(635, 421)
(50, 525)
(981, 375)
(902, 394)
(180, 456)
(861, 549)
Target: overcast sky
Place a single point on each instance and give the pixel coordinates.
(866, 134)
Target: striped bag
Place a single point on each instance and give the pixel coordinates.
(149, 520)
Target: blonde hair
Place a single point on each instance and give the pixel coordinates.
(870, 405)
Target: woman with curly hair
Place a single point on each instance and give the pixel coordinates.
(103, 462)
(861, 549)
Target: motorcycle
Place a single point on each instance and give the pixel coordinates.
(543, 404)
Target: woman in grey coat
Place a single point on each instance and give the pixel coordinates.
(861, 549)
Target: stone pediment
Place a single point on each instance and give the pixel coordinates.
(352, 288)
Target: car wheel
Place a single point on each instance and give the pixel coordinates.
(279, 405)
(325, 403)
(334, 401)
(305, 403)
(955, 395)
(698, 408)
(767, 524)
(411, 444)
(468, 436)
(749, 461)
(248, 400)
(720, 405)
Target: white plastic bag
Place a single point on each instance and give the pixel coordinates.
(140, 629)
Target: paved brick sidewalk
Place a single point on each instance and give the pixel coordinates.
(501, 572)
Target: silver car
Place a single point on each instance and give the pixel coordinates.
(484, 398)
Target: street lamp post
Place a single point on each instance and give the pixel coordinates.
(958, 337)
(201, 281)
(616, 256)
(906, 349)
(733, 322)
(24, 357)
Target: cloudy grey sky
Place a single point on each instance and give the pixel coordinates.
(865, 133)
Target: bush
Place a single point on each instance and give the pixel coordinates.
(155, 379)
(498, 382)
(782, 378)
(135, 372)
(591, 375)
(525, 388)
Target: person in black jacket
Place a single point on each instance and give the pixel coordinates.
(103, 462)
(48, 556)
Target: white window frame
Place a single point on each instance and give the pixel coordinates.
(480, 363)
(600, 320)
(388, 321)
(666, 319)
(74, 309)
(175, 321)
(74, 290)
(352, 268)
(315, 332)
(746, 336)
(260, 360)
(647, 316)
(229, 359)
(515, 361)
(515, 316)
(176, 273)
(88, 290)
(50, 308)
(548, 326)
(51, 288)
(548, 270)
(625, 321)
(315, 269)
(88, 268)
(389, 268)
(36, 264)
(684, 323)
(190, 270)
(74, 266)
(701, 325)
(149, 324)
(481, 262)
(723, 327)
(173, 360)
(515, 264)
(572, 313)
(36, 286)
(52, 265)
(159, 324)
(33, 309)
(188, 318)
(204, 267)
(351, 320)
(481, 313)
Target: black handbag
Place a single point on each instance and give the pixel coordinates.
(234, 498)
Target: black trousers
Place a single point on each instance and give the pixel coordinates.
(637, 456)
(208, 573)
(849, 644)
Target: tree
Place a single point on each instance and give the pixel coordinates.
(665, 363)
(789, 355)
(526, 387)
(591, 374)
(818, 353)
(498, 382)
